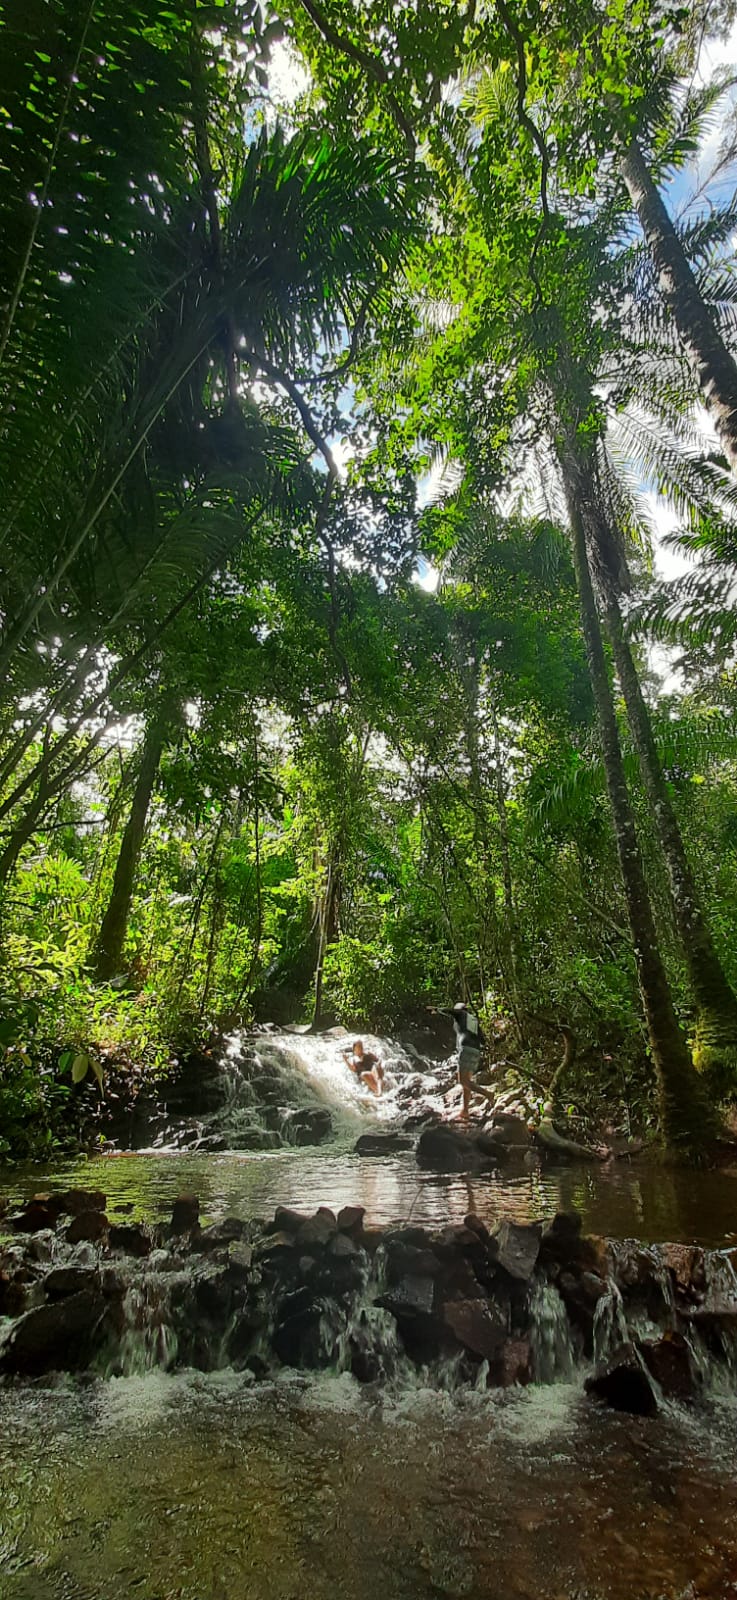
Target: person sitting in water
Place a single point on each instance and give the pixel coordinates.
(470, 1041)
(366, 1066)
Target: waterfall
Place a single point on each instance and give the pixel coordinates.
(554, 1353)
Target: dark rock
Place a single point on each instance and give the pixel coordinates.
(478, 1325)
(475, 1225)
(512, 1364)
(240, 1259)
(407, 1260)
(445, 1149)
(36, 1214)
(229, 1231)
(381, 1144)
(409, 1297)
(317, 1230)
(342, 1247)
(623, 1384)
(185, 1214)
(72, 1202)
(275, 1244)
(62, 1281)
(460, 1240)
(132, 1238)
(198, 1087)
(309, 1126)
(213, 1142)
(350, 1219)
(668, 1361)
(57, 1337)
(91, 1226)
(304, 1339)
(367, 1366)
(686, 1264)
(286, 1221)
(510, 1129)
(517, 1248)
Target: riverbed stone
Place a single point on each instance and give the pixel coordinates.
(308, 1125)
(132, 1238)
(227, 1232)
(517, 1248)
(71, 1202)
(410, 1296)
(685, 1262)
(623, 1383)
(57, 1337)
(381, 1144)
(480, 1326)
(37, 1214)
(445, 1149)
(512, 1364)
(317, 1230)
(350, 1219)
(63, 1281)
(668, 1361)
(90, 1226)
(185, 1214)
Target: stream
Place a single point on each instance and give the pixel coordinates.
(210, 1485)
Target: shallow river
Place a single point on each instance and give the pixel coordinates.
(199, 1488)
(190, 1486)
(627, 1199)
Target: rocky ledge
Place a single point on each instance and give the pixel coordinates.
(512, 1304)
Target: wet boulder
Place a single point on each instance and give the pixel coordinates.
(88, 1226)
(623, 1383)
(381, 1144)
(58, 1337)
(512, 1364)
(350, 1220)
(445, 1149)
(37, 1214)
(306, 1335)
(185, 1214)
(307, 1126)
(230, 1231)
(668, 1360)
(72, 1202)
(63, 1281)
(505, 1132)
(317, 1230)
(686, 1264)
(131, 1238)
(517, 1248)
(479, 1325)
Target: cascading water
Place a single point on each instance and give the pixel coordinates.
(554, 1353)
(282, 1089)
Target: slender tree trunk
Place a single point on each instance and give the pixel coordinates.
(107, 957)
(713, 366)
(716, 1004)
(684, 1110)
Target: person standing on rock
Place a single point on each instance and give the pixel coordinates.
(470, 1041)
(366, 1066)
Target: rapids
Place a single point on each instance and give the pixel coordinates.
(211, 1485)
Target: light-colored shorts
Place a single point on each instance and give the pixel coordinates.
(469, 1060)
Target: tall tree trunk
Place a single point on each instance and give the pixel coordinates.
(107, 956)
(685, 1116)
(715, 1048)
(713, 366)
